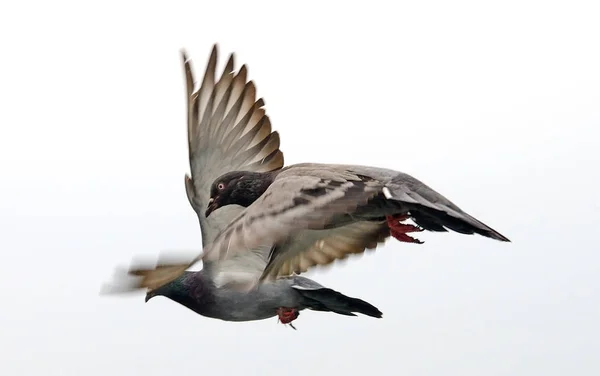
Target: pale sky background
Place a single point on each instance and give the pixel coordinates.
(496, 106)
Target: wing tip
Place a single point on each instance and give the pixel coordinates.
(498, 236)
(184, 55)
(230, 65)
(211, 65)
(243, 73)
(214, 51)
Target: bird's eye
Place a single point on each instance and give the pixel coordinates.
(221, 186)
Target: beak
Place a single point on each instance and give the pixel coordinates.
(149, 295)
(211, 207)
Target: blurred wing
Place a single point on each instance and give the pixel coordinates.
(322, 247)
(241, 271)
(227, 130)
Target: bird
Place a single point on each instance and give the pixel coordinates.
(228, 129)
(313, 214)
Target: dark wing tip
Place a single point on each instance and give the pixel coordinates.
(189, 74)
(489, 232)
(230, 63)
(498, 236)
(440, 221)
(211, 65)
(274, 138)
(184, 55)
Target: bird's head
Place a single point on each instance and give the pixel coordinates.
(237, 187)
(173, 290)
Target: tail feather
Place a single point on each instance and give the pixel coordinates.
(324, 299)
(168, 268)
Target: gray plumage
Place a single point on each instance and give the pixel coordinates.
(196, 291)
(229, 130)
(313, 214)
(296, 217)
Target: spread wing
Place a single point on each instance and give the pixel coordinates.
(228, 130)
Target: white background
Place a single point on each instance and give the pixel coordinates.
(496, 106)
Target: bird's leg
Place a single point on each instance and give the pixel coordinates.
(399, 230)
(287, 315)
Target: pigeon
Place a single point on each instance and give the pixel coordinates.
(228, 129)
(312, 214)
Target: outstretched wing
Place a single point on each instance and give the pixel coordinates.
(434, 212)
(228, 130)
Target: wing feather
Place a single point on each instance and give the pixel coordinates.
(324, 247)
(433, 211)
(228, 130)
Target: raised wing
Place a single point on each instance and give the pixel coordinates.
(228, 130)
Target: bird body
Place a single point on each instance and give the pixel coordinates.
(390, 192)
(262, 222)
(228, 130)
(197, 291)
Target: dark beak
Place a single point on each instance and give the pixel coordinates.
(212, 206)
(149, 295)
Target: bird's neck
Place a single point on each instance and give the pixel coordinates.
(193, 291)
(251, 188)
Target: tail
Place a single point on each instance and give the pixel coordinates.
(166, 270)
(328, 300)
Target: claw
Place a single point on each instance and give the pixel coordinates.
(399, 230)
(403, 237)
(287, 315)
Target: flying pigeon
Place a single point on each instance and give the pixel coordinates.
(313, 214)
(228, 129)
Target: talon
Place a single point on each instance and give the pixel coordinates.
(400, 236)
(287, 315)
(405, 227)
(399, 230)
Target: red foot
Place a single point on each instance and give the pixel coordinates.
(399, 230)
(287, 315)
